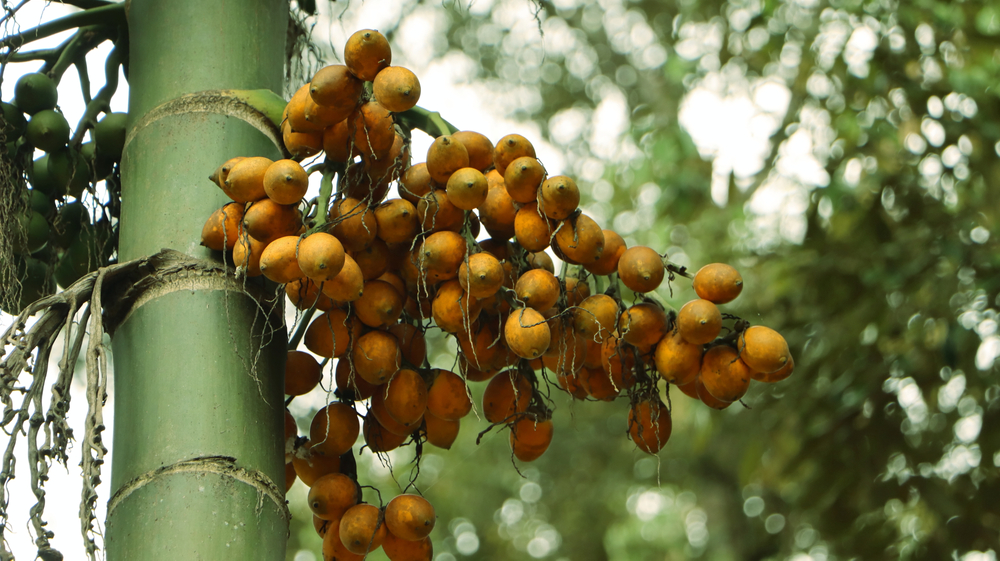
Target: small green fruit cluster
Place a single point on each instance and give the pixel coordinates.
(60, 242)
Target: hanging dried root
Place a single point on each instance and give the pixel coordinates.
(27, 350)
(78, 311)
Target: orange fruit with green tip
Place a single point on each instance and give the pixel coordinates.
(538, 289)
(380, 304)
(331, 495)
(723, 375)
(448, 396)
(362, 529)
(641, 269)
(310, 465)
(406, 397)
(410, 517)
(348, 285)
(649, 425)
(718, 283)
(530, 437)
(763, 349)
(398, 549)
(378, 438)
(222, 228)
(396, 88)
(330, 334)
(266, 220)
(527, 333)
(335, 86)
(699, 322)
(321, 257)
(446, 156)
(558, 197)
(677, 361)
(334, 429)
(596, 316)
(776, 376)
(510, 148)
(366, 53)
(302, 373)
(441, 432)
(354, 224)
(481, 276)
(278, 261)
(376, 356)
(245, 182)
(286, 182)
(579, 240)
(467, 188)
(478, 146)
(507, 394)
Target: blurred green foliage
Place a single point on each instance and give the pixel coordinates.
(866, 234)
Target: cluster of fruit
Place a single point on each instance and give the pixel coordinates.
(56, 239)
(382, 272)
(351, 529)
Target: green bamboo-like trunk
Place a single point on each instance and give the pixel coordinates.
(197, 433)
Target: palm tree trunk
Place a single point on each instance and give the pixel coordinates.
(198, 469)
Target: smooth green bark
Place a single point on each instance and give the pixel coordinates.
(183, 386)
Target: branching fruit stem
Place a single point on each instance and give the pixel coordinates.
(431, 122)
(111, 14)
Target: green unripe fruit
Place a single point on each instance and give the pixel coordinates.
(47, 130)
(41, 203)
(40, 178)
(14, 122)
(109, 135)
(101, 165)
(90, 250)
(35, 92)
(36, 283)
(69, 222)
(69, 170)
(48, 254)
(35, 230)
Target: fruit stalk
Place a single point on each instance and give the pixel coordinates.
(431, 122)
(102, 100)
(72, 51)
(323, 202)
(296, 338)
(113, 14)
